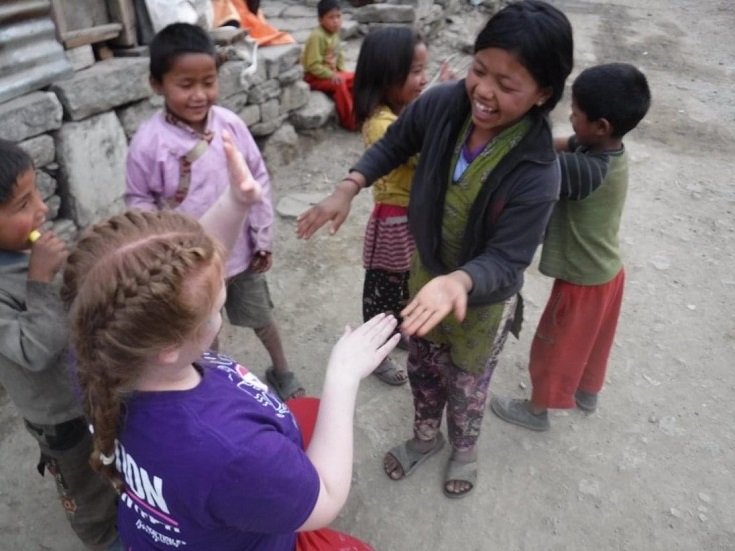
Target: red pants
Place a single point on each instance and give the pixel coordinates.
(573, 341)
(342, 94)
(305, 410)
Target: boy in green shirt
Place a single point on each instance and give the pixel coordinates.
(572, 344)
(324, 62)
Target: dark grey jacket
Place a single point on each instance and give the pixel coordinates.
(508, 219)
(33, 341)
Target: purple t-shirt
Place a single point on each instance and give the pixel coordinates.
(219, 466)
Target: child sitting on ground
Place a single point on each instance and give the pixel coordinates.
(324, 62)
(33, 358)
(572, 345)
(176, 161)
(205, 456)
(390, 74)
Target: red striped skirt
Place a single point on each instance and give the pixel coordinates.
(388, 243)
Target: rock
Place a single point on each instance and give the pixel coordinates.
(54, 204)
(132, 116)
(91, 156)
(294, 74)
(65, 229)
(41, 149)
(235, 103)
(230, 81)
(676, 513)
(704, 497)
(522, 385)
(660, 262)
(278, 59)
(282, 147)
(296, 203)
(263, 92)
(46, 185)
(270, 110)
(29, 116)
(104, 86)
(250, 114)
(384, 13)
(267, 128)
(294, 96)
(81, 57)
(315, 113)
(349, 29)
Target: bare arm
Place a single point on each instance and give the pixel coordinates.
(334, 208)
(224, 220)
(353, 358)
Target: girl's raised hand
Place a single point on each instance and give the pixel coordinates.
(334, 208)
(243, 187)
(359, 351)
(435, 300)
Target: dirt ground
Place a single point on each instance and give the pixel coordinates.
(653, 469)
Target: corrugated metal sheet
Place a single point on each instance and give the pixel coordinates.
(30, 56)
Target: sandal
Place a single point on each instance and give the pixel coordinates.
(409, 459)
(390, 373)
(460, 471)
(285, 384)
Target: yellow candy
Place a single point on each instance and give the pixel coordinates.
(33, 236)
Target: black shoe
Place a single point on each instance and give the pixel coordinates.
(586, 401)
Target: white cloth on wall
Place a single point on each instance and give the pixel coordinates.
(165, 12)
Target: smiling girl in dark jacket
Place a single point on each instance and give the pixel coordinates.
(485, 184)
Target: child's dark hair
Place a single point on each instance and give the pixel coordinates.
(176, 40)
(13, 162)
(325, 6)
(616, 92)
(540, 36)
(385, 61)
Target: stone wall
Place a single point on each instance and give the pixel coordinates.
(78, 130)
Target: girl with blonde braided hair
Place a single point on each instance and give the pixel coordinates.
(202, 454)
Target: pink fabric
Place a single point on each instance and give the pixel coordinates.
(152, 174)
(388, 244)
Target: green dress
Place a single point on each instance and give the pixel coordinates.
(470, 341)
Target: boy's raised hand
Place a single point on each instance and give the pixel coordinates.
(48, 253)
(243, 187)
(359, 351)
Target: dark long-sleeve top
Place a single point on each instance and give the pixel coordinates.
(33, 341)
(506, 222)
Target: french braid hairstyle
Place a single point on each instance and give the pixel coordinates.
(134, 284)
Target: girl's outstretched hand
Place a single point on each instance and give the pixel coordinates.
(359, 351)
(244, 188)
(435, 300)
(336, 207)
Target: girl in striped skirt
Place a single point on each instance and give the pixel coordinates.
(390, 73)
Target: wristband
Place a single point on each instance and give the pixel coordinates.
(354, 181)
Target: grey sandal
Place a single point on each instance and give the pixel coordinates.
(390, 373)
(460, 471)
(409, 459)
(285, 384)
